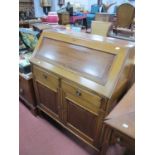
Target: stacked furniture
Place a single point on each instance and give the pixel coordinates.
(92, 14)
(79, 78)
(119, 127)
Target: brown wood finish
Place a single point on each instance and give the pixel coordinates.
(47, 90)
(78, 99)
(64, 18)
(85, 61)
(125, 15)
(82, 97)
(125, 106)
(120, 125)
(81, 119)
(103, 17)
(26, 91)
(48, 98)
(49, 80)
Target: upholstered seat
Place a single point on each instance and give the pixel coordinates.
(100, 28)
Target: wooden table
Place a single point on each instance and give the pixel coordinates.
(120, 125)
(45, 26)
(41, 26)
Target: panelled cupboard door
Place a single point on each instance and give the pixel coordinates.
(80, 121)
(48, 99)
(48, 96)
(79, 115)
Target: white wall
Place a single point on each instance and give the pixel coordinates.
(87, 4)
(38, 9)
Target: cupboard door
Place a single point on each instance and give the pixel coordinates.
(48, 99)
(80, 121)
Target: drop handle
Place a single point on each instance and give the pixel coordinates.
(45, 76)
(78, 93)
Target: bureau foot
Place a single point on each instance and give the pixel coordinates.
(34, 111)
(39, 112)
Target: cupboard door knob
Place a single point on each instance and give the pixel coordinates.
(78, 93)
(21, 91)
(118, 139)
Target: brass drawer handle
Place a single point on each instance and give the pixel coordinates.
(78, 93)
(21, 91)
(45, 76)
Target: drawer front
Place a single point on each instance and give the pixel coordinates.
(123, 140)
(82, 97)
(44, 77)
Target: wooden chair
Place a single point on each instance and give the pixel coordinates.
(100, 28)
(125, 15)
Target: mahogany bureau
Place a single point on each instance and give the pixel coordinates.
(78, 79)
(119, 127)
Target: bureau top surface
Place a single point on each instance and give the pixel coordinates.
(94, 63)
(124, 124)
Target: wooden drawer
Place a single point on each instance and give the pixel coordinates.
(122, 139)
(81, 97)
(44, 77)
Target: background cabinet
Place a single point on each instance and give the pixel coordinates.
(26, 91)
